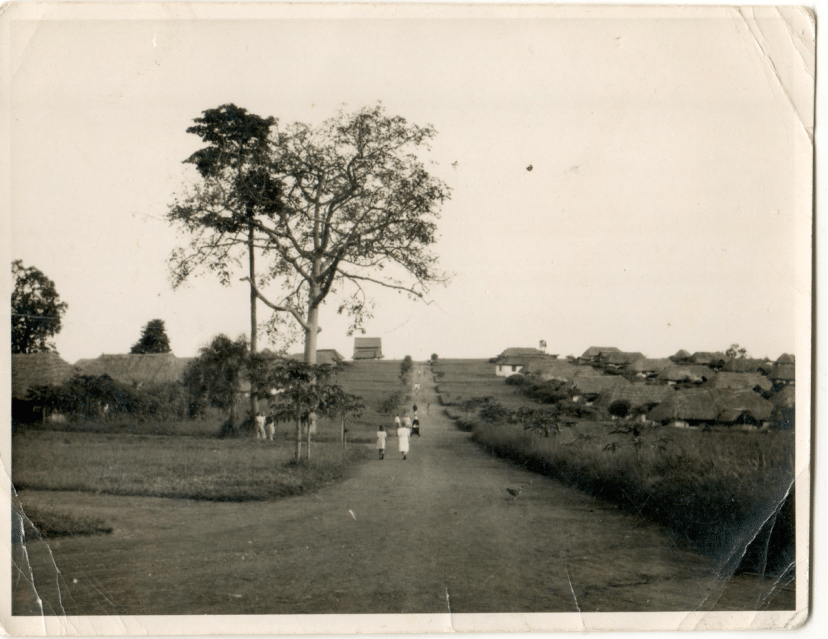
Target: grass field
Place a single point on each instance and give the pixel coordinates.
(186, 459)
(713, 489)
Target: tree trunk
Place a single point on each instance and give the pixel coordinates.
(310, 335)
(342, 430)
(298, 440)
(310, 345)
(254, 404)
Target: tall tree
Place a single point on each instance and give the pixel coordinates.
(36, 310)
(153, 339)
(236, 186)
(337, 207)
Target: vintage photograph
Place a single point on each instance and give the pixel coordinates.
(407, 318)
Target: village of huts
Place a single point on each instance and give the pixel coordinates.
(689, 390)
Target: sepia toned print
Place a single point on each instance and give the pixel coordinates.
(366, 318)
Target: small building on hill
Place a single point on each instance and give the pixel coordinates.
(786, 358)
(515, 359)
(519, 351)
(138, 370)
(368, 348)
(32, 370)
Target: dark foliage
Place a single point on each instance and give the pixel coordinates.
(153, 339)
(516, 380)
(36, 310)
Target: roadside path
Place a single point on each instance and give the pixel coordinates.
(434, 533)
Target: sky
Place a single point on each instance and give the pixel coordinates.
(668, 205)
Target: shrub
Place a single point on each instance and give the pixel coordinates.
(546, 392)
(493, 412)
(620, 408)
(515, 380)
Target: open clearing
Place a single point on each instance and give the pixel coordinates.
(434, 533)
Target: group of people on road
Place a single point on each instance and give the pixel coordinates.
(406, 428)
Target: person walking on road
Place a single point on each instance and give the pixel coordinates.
(403, 438)
(381, 437)
(397, 422)
(415, 427)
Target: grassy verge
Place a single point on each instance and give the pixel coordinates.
(173, 466)
(721, 492)
(50, 524)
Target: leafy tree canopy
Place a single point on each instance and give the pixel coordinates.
(333, 209)
(36, 310)
(153, 339)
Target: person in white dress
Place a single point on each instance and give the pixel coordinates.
(403, 439)
(260, 426)
(381, 437)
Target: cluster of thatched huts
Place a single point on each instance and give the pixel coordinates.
(702, 388)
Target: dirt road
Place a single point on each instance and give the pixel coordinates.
(434, 533)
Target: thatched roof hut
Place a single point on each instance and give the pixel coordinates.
(681, 356)
(38, 369)
(723, 406)
(687, 373)
(594, 351)
(138, 370)
(637, 394)
(783, 373)
(596, 384)
(786, 358)
(785, 397)
(524, 352)
(619, 359)
(708, 359)
(740, 381)
(745, 365)
(554, 369)
(647, 365)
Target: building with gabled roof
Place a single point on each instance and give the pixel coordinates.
(368, 348)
